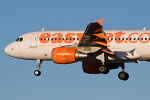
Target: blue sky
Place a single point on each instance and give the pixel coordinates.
(69, 82)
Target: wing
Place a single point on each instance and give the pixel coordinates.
(95, 36)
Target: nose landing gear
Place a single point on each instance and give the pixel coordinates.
(38, 72)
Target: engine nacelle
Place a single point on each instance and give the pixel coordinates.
(91, 67)
(66, 55)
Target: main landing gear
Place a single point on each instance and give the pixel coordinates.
(38, 72)
(122, 75)
(104, 69)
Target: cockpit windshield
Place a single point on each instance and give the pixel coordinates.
(19, 39)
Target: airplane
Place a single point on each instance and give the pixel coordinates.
(99, 51)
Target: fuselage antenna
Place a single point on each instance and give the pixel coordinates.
(43, 29)
(144, 28)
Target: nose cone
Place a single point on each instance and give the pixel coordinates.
(12, 50)
(7, 50)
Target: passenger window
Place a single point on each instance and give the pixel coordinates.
(73, 38)
(66, 38)
(145, 38)
(122, 38)
(126, 38)
(70, 38)
(77, 38)
(134, 38)
(111, 38)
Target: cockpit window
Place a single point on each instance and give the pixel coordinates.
(19, 39)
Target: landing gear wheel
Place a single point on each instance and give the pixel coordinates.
(123, 75)
(103, 69)
(37, 72)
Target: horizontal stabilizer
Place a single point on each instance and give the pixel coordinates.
(126, 55)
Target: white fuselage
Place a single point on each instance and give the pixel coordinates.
(39, 45)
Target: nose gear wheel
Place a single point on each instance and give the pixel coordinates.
(38, 72)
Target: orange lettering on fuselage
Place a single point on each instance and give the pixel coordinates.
(130, 37)
(79, 36)
(142, 40)
(57, 39)
(69, 38)
(44, 38)
(118, 37)
(109, 35)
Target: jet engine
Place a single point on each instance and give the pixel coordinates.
(66, 55)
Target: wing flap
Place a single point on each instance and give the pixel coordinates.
(109, 52)
(101, 43)
(101, 36)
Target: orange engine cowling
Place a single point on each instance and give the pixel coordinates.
(91, 67)
(66, 55)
